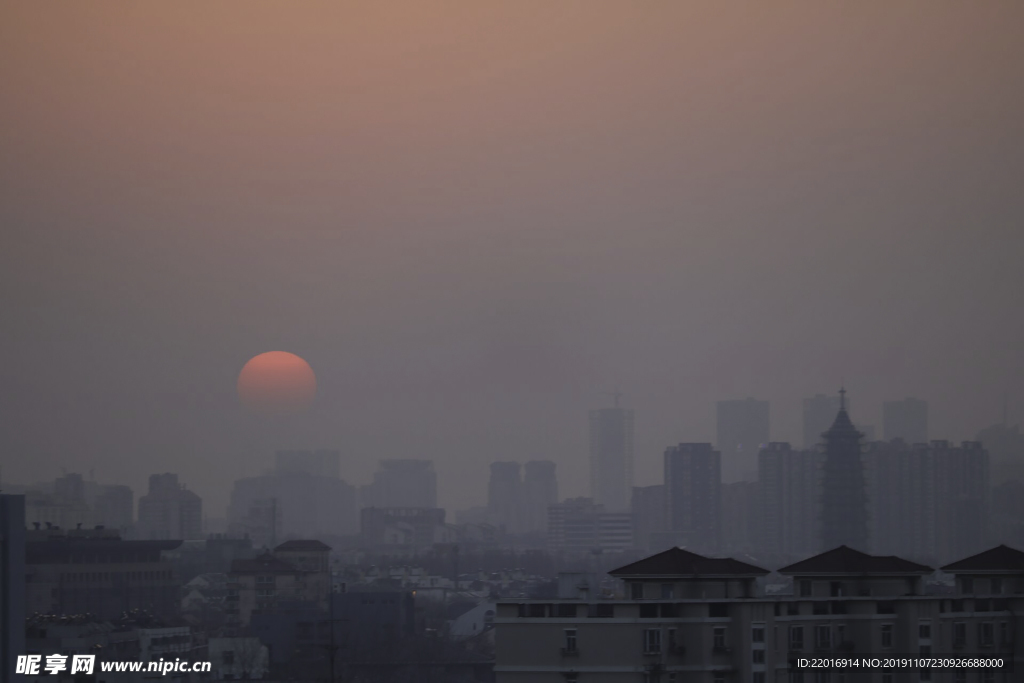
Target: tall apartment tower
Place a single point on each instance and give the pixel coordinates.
(169, 511)
(540, 489)
(12, 585)
(743, 427)
(504, 495)
(693, 495)
(611, 457)
(906, 419)
(402, 483)
(789, 500)
(819, 413)
(844, 509)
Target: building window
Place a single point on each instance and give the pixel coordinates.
(886, 635)
(673, 644)
(796, 638)
(805, 589)
(986, 634)
(652, 640)
(758, 656)
(959, 634)
(636, 591)
(997, 586)
(718, 638)
(924, 630)
(1004, 633)
(570, 640)
(667, 591)
(823, 636)
(925, 650)
(758, 677)
(603, 611)
(967, 585)
(757, 633)
(565, 610)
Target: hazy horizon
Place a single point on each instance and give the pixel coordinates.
(474, 221)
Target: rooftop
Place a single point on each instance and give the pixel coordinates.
(679, 562)
(846, 560)
(1000, 558)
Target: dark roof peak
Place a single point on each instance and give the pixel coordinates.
(847, 560)
(302, 545)
(682, 562)
(1000, 558)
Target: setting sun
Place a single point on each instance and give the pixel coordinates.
(276, 383)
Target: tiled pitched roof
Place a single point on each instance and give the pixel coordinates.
(679, 562)
(1000, 558)
(846, 560)
(302, 545)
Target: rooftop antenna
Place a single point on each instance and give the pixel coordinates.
(616, 395)
(842, 396)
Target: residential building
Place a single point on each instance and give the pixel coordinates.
(743, 427)
(402, 483)
(693, 495)
(505, 495)
(687, 618)
(611, 457)
(404, 528)
(906, 419)
(169, 511)
(293, 575)
(789, 501)
(539, 490)
(12, 583)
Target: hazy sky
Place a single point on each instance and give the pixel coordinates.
(473, 218)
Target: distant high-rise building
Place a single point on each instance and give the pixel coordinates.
(169, 511)
(739, 517)
(540, 489)
(115, 508)
(402, 483)
(819, 413)
(578, 526)
(650, 516)
(12, 584)
(844, 511)
(906, 419)
(611, 457)
(789, 500)
(743, 427)
(504, 495)
(693, 495)
(319, 463)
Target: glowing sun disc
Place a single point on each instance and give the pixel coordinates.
(276, 383)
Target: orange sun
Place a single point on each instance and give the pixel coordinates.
(276, 383)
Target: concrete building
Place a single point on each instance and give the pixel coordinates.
(686, 618)
(402, 483)
(12, 584)
(906, 419)
(504, 496)
(114, 508)
(740, 517)
(404, 528)
(169, 511)
(650, 515)
(98, 573)
(693, 495)
(743, 427)
(540, 489)
(611, 457)
(295, 574)
(844, 508)
(789, 501)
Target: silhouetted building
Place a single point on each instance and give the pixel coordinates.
(818, 414)
(578, 526)
(12, 584)
(169, 511)
(291, 502)
(789, 495)
(693, 495)
(504, 495)
(540, 489)
(650, 515)
(844, 511)
(743, 427)
(96, 572)
(906, 419)
(402, 483)
(115, 508)
(404, 528)
(294, 575)
(927, 501)
(611, 457)
(740, 511)
(322, 462)
(1005, 445)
